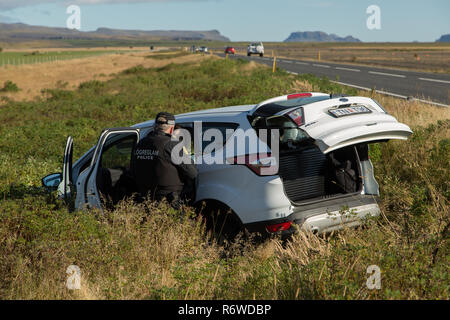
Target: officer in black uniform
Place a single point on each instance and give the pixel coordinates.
(155, 173)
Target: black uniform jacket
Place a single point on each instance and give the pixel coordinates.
(153, 168)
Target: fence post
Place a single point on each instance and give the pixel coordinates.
(274, 64)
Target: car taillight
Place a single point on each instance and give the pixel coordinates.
(261, 164)
(298, 95)
(297, 116)
(279, 226)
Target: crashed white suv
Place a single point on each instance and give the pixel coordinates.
(314, 172)
(255, 48)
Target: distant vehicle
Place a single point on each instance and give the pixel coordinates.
(255, 48)
(203, 49)
(230, 50)
(321, 180)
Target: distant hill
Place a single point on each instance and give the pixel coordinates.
(444, 38)
(169, 34)
(318, 36)
(15, 32)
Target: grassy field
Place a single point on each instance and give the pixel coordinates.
(33, 80)
(16, 58)
(144, 252)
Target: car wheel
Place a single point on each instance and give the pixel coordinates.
(221, 223)
(261, 54)
(248, 54)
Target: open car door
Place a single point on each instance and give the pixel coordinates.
(110, 162)
(65, 188)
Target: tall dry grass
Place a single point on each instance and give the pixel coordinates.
(145, 252)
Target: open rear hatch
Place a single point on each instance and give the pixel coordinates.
(319, 135)
(350, 124)
(334, 122)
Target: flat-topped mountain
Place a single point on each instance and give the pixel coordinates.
(318, 36)
(444, 38)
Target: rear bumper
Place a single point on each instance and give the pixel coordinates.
(335, 216)
(324, 216)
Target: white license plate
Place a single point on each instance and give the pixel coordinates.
(342, 112)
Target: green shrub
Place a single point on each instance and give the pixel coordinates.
(9, 86)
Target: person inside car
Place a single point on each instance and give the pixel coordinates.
(156, 174)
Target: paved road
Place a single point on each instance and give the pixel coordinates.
(420, 85)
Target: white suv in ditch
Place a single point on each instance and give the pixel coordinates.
(315, 173)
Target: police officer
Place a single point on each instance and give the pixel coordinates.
(155, 172)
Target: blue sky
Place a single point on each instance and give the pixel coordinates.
(243, 20)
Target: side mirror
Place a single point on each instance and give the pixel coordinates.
(52, 181)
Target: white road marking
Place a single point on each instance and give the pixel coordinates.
(388, 74)
(287, 61)
(348, 69)
(321, 65)
(434, 80)
(292, 72)
(390, 94)
(305, 63)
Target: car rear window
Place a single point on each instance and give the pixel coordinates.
(270, 109)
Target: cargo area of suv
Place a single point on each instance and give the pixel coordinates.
(309, 175)
(320, 147)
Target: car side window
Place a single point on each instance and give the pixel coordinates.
(118, 155)
(221, 126)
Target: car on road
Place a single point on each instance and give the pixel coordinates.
(203, 49)
(315, 171)
(230, 50)
(255, 48)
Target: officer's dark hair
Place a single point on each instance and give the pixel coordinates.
(164, 121)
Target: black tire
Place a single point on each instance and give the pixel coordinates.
(261, 54)
(248, 54)
(221, 223)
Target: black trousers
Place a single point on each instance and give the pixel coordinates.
(172, 197)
